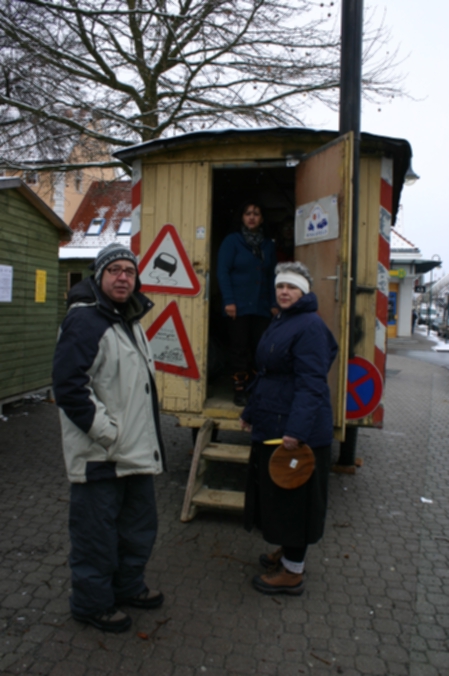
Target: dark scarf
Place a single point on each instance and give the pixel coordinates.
(129, 311)
(254, 239)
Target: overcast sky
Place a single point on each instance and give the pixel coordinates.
(420, 30)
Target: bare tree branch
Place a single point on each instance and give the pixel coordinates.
(110, 73)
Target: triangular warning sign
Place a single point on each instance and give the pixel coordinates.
(170, 344)
(166, 268)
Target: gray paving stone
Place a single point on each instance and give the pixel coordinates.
(397, 669)
(417, 669)
(68, 667)
(377, 595)
(370, 665)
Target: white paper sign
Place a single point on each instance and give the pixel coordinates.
(6, 283)
(317, 221)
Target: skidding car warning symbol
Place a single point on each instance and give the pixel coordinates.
(166, 268)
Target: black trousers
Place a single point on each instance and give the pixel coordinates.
(295, 554)
(244, 335)
(113, 526)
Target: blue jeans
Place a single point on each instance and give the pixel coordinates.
(113, 526)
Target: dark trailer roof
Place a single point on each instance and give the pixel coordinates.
(397, 149)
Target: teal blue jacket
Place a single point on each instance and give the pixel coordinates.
(244, 279)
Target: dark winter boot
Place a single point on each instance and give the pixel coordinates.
(240, 380)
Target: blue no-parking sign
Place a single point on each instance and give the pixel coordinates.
(365, 388)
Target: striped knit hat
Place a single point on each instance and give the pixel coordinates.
(112, 252)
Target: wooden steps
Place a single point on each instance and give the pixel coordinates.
(227, 453)
(206, 497)
(198, 495)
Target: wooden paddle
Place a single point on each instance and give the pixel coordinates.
(290, 469)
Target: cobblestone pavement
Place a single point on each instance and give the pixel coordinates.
(377, 594)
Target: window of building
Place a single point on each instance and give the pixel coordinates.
(96, 226)
(73, 278)
(79, 180)
(31, 177)
(125, 226)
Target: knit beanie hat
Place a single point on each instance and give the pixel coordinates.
(112, 252)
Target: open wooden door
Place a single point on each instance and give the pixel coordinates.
(323, 242)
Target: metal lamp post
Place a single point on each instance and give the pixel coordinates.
(350, 113)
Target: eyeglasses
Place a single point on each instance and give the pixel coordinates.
(116, 271)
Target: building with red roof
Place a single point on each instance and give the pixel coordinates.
(104, 216)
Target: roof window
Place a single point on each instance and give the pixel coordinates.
(125, 226)
(96, 226)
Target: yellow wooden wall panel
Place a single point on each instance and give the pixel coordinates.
(148, 208)
(168, 210)
(363, 223)
(175, 205)
(189, 307)
(373, 201)
(368, 250)
(201, 247)
(176, 386)
(170, 404)
(171, 194)
(203, 211)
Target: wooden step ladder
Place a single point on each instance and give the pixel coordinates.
(197, 495)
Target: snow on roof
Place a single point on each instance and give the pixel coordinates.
(399, 243)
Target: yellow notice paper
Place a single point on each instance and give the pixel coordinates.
(40, 294)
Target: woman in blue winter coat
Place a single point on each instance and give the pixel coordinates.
(246, 262)
(290, 400)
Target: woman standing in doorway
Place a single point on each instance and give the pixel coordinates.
(246, 262)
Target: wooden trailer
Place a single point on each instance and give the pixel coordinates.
(30, 233)
(186, 193)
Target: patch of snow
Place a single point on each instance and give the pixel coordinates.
(440, 344)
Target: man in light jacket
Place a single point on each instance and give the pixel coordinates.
(103, 379)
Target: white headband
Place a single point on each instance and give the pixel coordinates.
(293, 278)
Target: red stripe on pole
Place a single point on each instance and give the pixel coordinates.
(384, 252)
(135, 244)
(378, 416)
(135, 195)
(380, 360)
(382, 307)
(386, 195)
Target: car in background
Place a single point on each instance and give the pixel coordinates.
(436, 323)
(443, 329)
(424, 315)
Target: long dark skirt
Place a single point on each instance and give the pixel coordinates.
(293, 518)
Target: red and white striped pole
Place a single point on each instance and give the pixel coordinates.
(383, 273)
